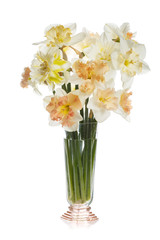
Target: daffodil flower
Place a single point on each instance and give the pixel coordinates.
(102, 102)
(124, 104)
(64, 109)
(60, 36)
(130, 63)
(89, 74)
(90, 38)
(48, 67)
(101, 50)
(120, 35)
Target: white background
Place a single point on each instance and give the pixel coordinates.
(32, 175)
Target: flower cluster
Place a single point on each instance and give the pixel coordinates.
(80, 70)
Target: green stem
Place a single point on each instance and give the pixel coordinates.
(69, 87)
(78, 145)
(64, 88)
(69, 171)
(89, 171)
(75, 172)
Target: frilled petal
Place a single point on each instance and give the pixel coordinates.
(74, 101)
(77, 118)
(81, 96)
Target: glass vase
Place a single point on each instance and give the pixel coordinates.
(80, 157)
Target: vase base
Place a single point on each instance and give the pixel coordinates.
(79, 213)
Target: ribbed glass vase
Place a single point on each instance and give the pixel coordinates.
(80, 157)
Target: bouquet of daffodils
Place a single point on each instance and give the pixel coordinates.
(80, 71)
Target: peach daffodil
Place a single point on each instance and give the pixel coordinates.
(102, 102)
(64, 109)
(89, 75)
(124, 106)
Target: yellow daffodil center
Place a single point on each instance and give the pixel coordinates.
(64, 110)
(127, 62)
(104, 100)
(44, 68)
(108, 99)
(104, 55)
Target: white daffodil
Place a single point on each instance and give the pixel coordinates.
(90, 38)
(130, 63)
(60, 36)
(101, 50)
(64, 109)
(124, 104)
(120, 35)
(102, 102)
(48, 67)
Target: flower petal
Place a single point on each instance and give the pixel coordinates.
(126, 80)
(60, 92)
(73, 128)
(81, 96)
(125, 28)
(53, 123)
(123, 114)
(47, 100)
(74, 101)
(140, 49)
(114, 57)
(145, 67)
(92, 104)
(72, 26)
(75, 79)
(111, 31)
(101, 115)
(124, 46)
(77, 38)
